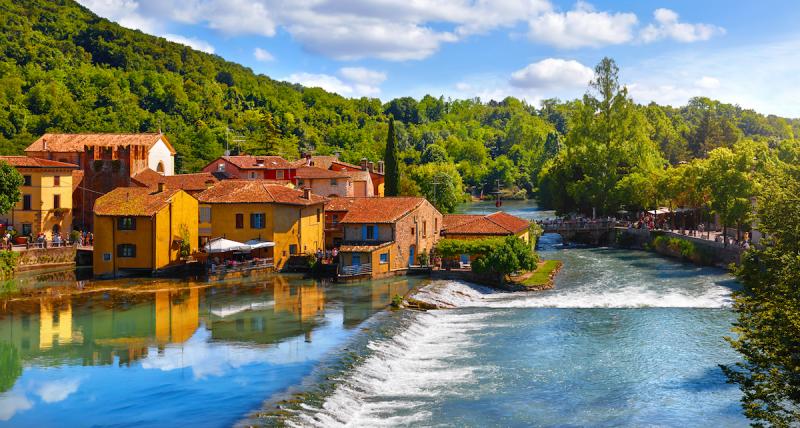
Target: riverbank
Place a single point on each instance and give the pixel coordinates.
(690, 249)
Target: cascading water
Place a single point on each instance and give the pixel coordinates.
(623, 339)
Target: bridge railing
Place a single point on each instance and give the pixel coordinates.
(573, 225)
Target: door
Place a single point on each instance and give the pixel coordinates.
(356, 259)
(411, 253)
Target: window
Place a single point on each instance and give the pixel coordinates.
(334, 182)
(56, 180)
(424, 228)
(299, 181)
(56, 201)
(412, 231)
(220, 167)
(240, 221)
(28, 181)
(335, 219)
(319, 214)
(293, 249)
(205, 215)
(279, 174)
(26, 202)
(27, 228)
(384, 258)
(436, 225)
(370, 232)
(126, 223)
(257, 220)
(253, 175)
(126, 250)
(356, 259)
(106, 257)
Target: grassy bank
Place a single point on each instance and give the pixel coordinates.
(543, 276)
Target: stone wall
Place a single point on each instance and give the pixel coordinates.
(45, 258)
(706, 252)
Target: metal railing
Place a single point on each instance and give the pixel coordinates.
(552, 226)
(353, 270)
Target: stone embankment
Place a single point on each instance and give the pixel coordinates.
(687, 248)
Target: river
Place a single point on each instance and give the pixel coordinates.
(625, 339)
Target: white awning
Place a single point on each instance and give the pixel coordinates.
(222, 245)
(256, 244)
(659, 211)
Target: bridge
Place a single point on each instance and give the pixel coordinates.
(585, 231)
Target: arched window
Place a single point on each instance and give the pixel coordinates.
(160, 167)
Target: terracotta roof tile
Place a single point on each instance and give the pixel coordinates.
(260, 162)
(366, 248)
(133, 201)
(255, 191)
(499, 223)
(339, 204)
(312, 172)
(78, 142)
(186, 182)
(380, 210)
(30, 162)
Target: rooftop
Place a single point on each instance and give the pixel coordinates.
(187, 182)
(312, 172)
(260, 162)
(363, 247)
(78, 142)
(133, 201)
(29, 162)
(255, 191)
(499, 223)
(379, 210)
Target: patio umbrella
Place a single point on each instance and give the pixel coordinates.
(256, 244)
(222, 245)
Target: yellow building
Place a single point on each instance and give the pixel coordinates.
(140, 230)
(46, 201)
(244, 210)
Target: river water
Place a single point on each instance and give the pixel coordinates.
(624, 339)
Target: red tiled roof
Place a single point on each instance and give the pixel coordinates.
(366, 248)
(312, 172)
(380, 210)
(339, 204)
(187, 182)
(255, 191)
(29, 162)
(267, 162)
(133, 201)
(78, 142)
(499, 223)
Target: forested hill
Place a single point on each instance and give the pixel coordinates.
(64, 69)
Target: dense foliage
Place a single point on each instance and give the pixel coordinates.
(768, 308)
(10, 182)
(63, 69)
(495, 256)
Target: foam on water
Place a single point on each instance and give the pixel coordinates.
(402, 374)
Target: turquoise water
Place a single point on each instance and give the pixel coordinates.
(167, 353)
(624, 339)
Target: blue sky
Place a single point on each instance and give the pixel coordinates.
(668, 51)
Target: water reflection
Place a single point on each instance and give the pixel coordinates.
(86, 352)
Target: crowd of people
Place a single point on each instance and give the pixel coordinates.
(327, 256)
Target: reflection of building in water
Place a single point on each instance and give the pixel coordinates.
(254, 318)
(100, 328)
(177, 315)
(304, 301)
(361, 302)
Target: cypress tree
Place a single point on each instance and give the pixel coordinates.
(392, 182)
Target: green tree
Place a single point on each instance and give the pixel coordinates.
(440, 184)
(508, 256)
(10, 182)
(10, 366)
(434, 154)
(768, 310)
(392, 177)
(729, 178)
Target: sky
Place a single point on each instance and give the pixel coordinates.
(736, 51)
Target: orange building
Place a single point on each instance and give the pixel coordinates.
(105, 161)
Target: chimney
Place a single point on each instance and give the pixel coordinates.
(259, 162)
(307, 193)
(371, 166)
(380, 167)
(44, 144)
(364, 163)
(162, 187)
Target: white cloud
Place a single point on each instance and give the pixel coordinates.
(707, 82)
(352, 81)
(363, 75)
(552, 73)
(582, 27)
(263, 55)
(194, 43)
(59, 390)
(667, 26)
(125, 12)
(11, 403)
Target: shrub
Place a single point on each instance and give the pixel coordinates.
(8, 264)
